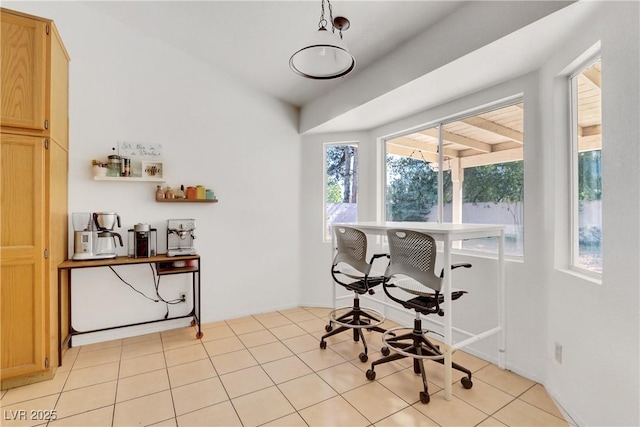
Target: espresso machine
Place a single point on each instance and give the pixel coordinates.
(180, 237)
(94, 237)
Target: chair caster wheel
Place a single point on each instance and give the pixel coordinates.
(371, 374)
(323, 344)
(424, 397)
(385, 351)
(363, 357)
(466, 382)
(328, 328)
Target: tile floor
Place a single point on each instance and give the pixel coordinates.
(267, 370)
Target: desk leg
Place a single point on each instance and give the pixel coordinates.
(448, 318)
(502, 352)
(197, 305)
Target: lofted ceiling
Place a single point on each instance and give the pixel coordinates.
(253, 40)
(403, 49)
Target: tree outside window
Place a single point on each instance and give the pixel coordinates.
(341, 188)
(482, 175)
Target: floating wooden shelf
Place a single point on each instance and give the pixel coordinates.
(128, 179)
(187, 200)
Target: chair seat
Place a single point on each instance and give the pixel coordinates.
(361, 287)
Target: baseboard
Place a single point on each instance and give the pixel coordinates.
(127, 332)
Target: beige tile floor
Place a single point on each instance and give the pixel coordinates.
(267, 370)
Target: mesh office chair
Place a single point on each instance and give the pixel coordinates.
(411, 269)
(350, 269)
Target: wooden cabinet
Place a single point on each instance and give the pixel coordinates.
(33, 192)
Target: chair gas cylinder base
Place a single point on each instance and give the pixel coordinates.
(407, 342)
(350, 270)
(355, 318)
(411, 269)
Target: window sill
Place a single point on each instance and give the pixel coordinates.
(594, 278)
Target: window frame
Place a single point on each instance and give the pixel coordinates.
(440, 124)
(574, 215)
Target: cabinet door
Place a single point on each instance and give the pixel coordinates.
(22, 286)
(23, 72)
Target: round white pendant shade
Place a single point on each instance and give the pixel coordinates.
(324, 57)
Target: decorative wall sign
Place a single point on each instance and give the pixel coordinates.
(139, 153)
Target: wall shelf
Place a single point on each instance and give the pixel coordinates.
(127, 179)
(187, 200)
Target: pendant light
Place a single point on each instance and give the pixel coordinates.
(325, 56)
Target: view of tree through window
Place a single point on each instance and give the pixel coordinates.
(341, 191)
(587, 122)
(482, 175)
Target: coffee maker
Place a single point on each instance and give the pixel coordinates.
(180, 237)
(106, 243)
(93, 235)
(142, 241)
(84, 236)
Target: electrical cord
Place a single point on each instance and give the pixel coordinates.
(156, 283)
(157, 286)
(131, 286)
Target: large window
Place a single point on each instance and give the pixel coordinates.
(587, 168)
(341, 185)
(467, 170)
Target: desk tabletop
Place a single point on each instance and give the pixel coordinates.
(455, 231)
(123, 260)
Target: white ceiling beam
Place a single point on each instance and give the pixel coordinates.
(495, 128)
(492, 158)
(454, 138)
(594, 77)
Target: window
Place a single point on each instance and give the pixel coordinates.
(586, 127)
(481, 179)
(341, 185)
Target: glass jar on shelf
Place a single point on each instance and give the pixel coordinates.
(160, 192)
(169, 194)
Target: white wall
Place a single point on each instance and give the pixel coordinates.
(597, 323)
(214, 131)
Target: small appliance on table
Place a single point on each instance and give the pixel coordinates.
(142, 241)
(180, 237)
(94, 237)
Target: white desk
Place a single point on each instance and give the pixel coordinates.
(448, 233)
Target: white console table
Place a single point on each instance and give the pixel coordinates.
(449, 233)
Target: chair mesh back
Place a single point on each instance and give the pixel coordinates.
(352, 248)
(413, 254)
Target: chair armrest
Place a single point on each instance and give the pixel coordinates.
(454, 266)
(462, 264)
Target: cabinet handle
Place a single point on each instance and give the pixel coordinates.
(46, 124)
(46, 254)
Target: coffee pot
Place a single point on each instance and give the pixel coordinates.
(106, 243)
(94, 237)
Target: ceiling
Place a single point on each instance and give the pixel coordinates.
(253, 40)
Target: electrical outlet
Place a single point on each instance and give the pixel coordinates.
(183, 296)
(558, 353)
